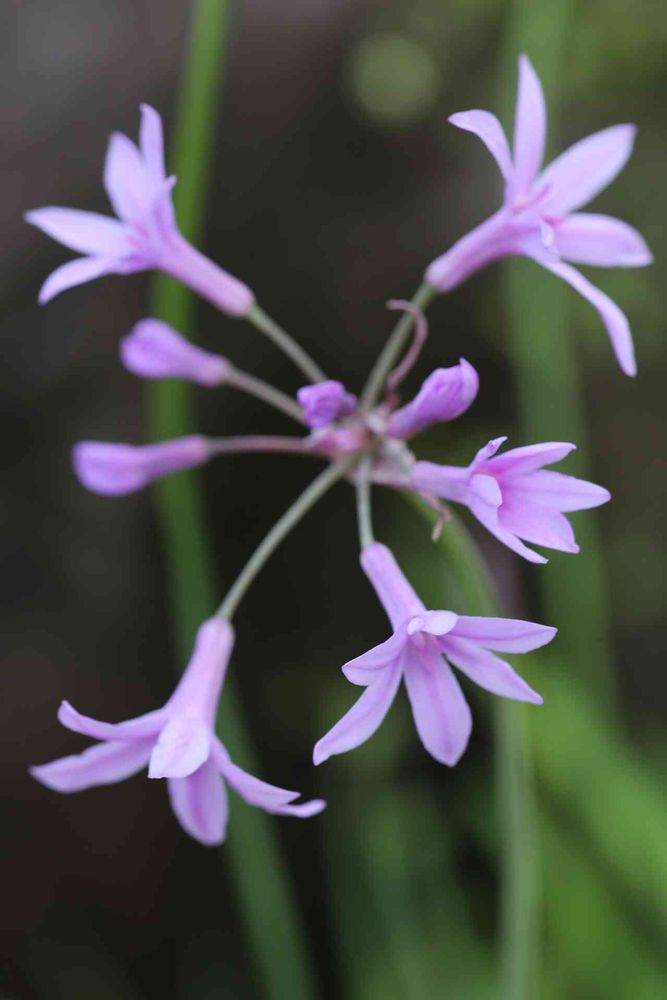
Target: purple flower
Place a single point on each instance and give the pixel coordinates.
(539, 218)
(144, 236)
(117, 469)
(325, 402)
(420, 651)
(155, 350)
(445, 395)
(177, 742)
(513, 496)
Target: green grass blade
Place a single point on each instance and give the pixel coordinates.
(546, 377)
(267, 906)
(520, 889)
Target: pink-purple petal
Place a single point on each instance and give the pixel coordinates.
(585, 169)
(200, 804)
(103, 764)
(127, 180)
(364, 718)
(487, 670)
(538, 525)
(396, 594)
(488, 451)
(505, 635)
(488, 516)
(561, 492)
(85, 232)
(441, 714)
(182, 746)
(586, 238)
(485, 489)
(530, 126)
(519, 461)
(74, 272)
(151, 142)
(362, 669)
(433, 622)
(614, 320)
(255, 791)
(487, 127)
(302, 810)
(259, 793)
(446, 481)
(139, 728)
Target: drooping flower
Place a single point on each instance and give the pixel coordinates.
(177, 742)
(420, 651)
(513, 496)
(144, 236)
(444, 395)
(539, 217)
(118, 469)
(154, 350)
(325, 402)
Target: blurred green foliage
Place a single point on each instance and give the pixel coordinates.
(602, 828)
(410, 851)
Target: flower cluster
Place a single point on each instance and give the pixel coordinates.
(365, 440)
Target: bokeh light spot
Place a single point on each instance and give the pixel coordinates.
(393, 78)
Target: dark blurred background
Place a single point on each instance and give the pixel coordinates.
(336, 180)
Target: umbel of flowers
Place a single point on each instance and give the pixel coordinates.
(366, 439)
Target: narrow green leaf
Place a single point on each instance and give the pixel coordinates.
(268, 909)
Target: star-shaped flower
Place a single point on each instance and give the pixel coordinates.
(177, 742)
(513, 496)
(539, 217)
(144, 236)
(420, 651)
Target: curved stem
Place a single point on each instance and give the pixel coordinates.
(411, 356)
(267, 393)
(287, 344)
(278, 532)
(393, 347)
(364, 511)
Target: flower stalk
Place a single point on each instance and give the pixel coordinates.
(364, 511)
(269, 394)
(314, 492)
(285, 343)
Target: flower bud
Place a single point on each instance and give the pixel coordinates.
(445, 395)
(155, 350)
(325, 402)
(117, 469)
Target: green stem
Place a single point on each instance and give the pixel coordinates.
(263, 443)
(287, 344)
(268, 909)
(519, 884)
(519, 897)
(392, 349)
(267, 393)
(364, 512)
(278, 532)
